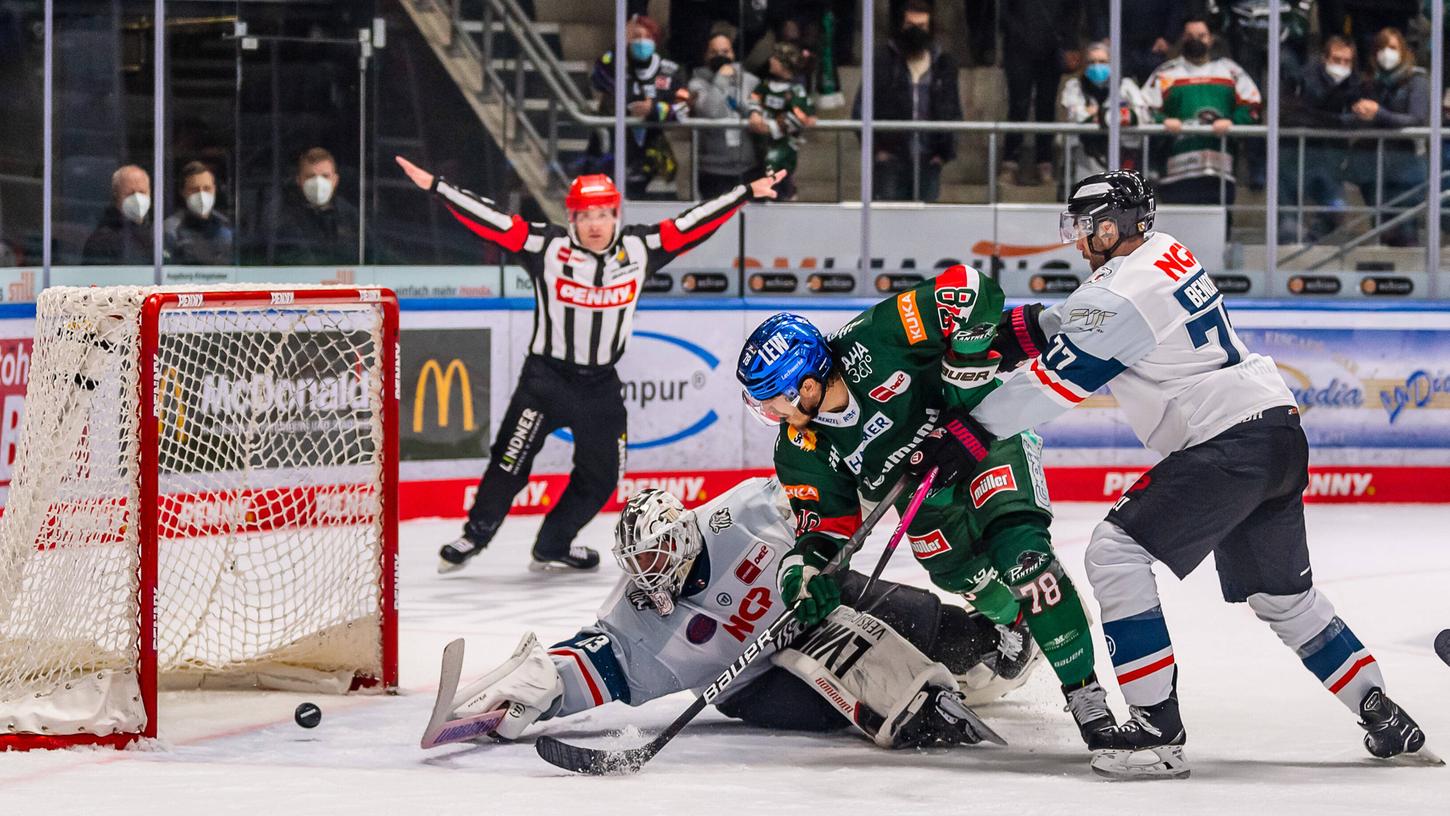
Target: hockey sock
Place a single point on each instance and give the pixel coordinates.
(1342, 664)
(1307, 624)
(1058, 624)
(1142, 656)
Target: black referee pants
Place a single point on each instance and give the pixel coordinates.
(551, 395)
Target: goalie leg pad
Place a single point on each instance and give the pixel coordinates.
(527, 683)
(865, 668)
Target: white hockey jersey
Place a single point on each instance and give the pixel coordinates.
(634, 654)
(1154, 324)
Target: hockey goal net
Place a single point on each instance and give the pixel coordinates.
(204, 493)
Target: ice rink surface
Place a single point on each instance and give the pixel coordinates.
(1264, 736)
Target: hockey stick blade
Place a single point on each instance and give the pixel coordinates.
(595, 761)
(468, 728)
(447, 687)
(1442, 646)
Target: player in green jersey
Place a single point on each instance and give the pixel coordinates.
(855, 406)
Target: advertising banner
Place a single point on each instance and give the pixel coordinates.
(445, 386)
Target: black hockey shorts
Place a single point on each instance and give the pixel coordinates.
(1239, 496)
(949, 634)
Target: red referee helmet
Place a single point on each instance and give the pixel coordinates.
(596, 190)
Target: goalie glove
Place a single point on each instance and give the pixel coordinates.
(527, 683)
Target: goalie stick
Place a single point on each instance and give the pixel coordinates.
(443, 731)
(600, 762)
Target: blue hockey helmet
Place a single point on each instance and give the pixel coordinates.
(778, 356)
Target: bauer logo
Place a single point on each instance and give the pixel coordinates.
(930, 545)
(991, 482)
(665, 382)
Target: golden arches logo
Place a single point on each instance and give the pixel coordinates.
(442, 378)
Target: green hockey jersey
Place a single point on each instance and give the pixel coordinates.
(890, 359)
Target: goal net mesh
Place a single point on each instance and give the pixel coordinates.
(269, 531)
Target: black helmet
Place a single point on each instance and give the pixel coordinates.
(1120, 196)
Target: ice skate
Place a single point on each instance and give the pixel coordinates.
(456, 553)
(1390, 733)
(1148, 746)
(1088, 704)
(578, 559)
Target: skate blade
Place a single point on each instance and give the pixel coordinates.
(557, 567)
(445, 566)
(1164, 762)
(1422, 758)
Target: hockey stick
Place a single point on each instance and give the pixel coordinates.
(600, 762)
(441, 730)
(915, 504)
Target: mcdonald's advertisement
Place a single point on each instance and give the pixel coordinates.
(445, 394)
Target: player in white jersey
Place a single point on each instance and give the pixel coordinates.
(699, 585)
(1150, 321)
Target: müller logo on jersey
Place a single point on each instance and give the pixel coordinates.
(596, 297)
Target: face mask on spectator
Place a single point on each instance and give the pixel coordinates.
(915, 38)
(201, 202)
(135, 206)
(1098, 73)
(1337, 72)
(641, 50)
(1194, 49)
(318, 190)
(718, 61)
(1388, 58)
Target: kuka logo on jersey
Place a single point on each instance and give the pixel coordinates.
(910, 317)
(930, 545)
(802, 492)
(596, 297)
(895, 384)
(991, 482)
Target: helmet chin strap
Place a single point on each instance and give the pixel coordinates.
(1107, 253)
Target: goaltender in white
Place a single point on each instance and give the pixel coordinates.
(699, 585)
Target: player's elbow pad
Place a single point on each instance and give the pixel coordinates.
(1019, 335)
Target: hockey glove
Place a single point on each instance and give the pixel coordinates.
(969, 365)
(814, 594)
(1019, 335)
(955, 448)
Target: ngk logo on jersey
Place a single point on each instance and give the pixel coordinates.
(749, 569)
(895, 384)
(929, 545)
(992, 482)
(596, 297)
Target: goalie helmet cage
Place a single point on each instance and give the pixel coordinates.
(204, 494)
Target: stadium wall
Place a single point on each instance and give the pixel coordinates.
(1373, 383)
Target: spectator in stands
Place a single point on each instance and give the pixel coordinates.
(1199, 89)
(198, 234)
(123, 235)
(1036, 36)
(1084, 100)
(1323, 97)
(722, 90)
(915, 79)
(1363, 19)
(656, 92)
(1397, 95)
(1150, 27)
(309, 224)
(780, 111)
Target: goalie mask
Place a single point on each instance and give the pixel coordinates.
(656, 542)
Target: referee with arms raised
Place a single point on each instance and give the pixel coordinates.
(587, 280)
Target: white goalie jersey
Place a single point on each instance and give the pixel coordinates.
(633, 654)
(1154, 324)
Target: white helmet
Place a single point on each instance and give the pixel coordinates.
(656, 542)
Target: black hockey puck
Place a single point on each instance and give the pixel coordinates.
(308, 715)
(1442, 646)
